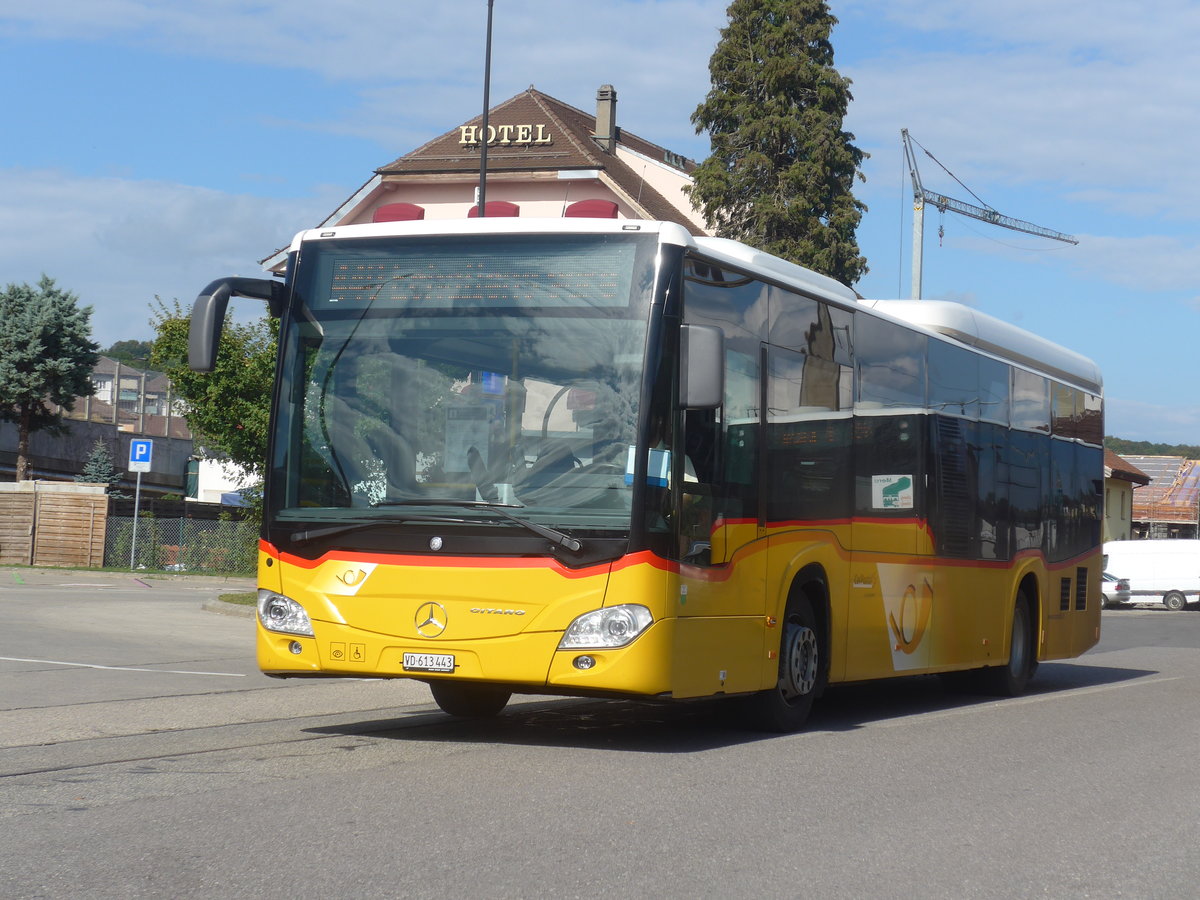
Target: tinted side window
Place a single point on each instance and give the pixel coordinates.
(1028, 470)
(809, 471)
(994, 390)
(720, 446)
(953, 380)
(889, 471)
(800, 385)
(1030, 401)
(1091, 421)
(1066, 410)
(891, 365)
(992, 524)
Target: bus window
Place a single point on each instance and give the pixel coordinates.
(812, 327)
(720, 460)
(1091, 421)
(953, 380)
(890, 363)
(889, 467)
(800, 384)
(994, 391)
(720, 456)
(809, 471)
(1067, 409)
(1030, 401)
(991, 527)
(1029, 480)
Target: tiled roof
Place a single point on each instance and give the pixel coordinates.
(1123, 469)
(565, 142)
(1173, 494)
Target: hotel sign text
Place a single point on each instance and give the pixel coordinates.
(505, 135)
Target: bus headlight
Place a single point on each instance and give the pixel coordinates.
(614, 626)
(283, 614)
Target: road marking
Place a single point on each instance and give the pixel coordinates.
(55, 662)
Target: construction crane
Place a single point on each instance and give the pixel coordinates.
(984, 213)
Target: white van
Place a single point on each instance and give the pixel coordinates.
(1166, 570)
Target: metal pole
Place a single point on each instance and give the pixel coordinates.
(918, 241)
(487, 87)
(137, 499)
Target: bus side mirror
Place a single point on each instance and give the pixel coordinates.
(701, 367)
(208, 315)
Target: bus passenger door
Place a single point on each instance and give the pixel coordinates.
(722, 556)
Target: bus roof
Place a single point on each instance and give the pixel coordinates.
(994, 336)
(953, 320)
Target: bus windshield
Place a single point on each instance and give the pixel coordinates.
(461, 372)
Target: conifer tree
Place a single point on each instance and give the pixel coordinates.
(781, 169)
(99, 468)
(46, 358)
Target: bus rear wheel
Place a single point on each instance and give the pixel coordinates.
(469, 701)
(802, 667)
(1011, 680)
(1174, 600)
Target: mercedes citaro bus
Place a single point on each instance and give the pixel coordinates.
(609, 458)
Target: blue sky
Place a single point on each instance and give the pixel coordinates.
(153, 145)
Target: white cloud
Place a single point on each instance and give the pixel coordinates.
(1147, 263)
(1075, 96)
(117, 243)
(419, 75)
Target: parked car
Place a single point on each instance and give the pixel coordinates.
(1166, 571)
(1114, 590)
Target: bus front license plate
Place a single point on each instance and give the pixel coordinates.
(428, 662)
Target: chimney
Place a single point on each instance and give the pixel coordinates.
(606, 118)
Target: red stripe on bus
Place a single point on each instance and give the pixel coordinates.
(469, 562)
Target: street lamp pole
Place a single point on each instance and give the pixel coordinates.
(487, 85)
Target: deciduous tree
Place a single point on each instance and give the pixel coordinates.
(229, 408)
(46, 358)
(782, 167)
(131, 352)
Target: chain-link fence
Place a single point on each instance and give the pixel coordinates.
(182, 545)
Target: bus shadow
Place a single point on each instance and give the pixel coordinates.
(696, 726)
(849, 707)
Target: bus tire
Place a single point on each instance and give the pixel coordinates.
(1174, 600)
(469, 701)
(803, 667)
(1010, 680)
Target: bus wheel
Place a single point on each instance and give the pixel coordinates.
(802, 665)
(1012, 679)
(1174, 600)
(469, 701)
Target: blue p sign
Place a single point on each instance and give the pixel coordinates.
(140, 453)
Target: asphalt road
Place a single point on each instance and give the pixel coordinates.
(142, 755)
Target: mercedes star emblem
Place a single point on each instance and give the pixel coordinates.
(431, 619)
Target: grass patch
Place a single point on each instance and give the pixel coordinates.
(241, 598)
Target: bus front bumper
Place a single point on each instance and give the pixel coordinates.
(525, 663)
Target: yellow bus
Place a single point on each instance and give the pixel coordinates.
(609, 458)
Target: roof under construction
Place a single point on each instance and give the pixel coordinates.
(1173, 494)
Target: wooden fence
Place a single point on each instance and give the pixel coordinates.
(46, 523)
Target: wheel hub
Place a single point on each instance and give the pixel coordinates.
(799, 671)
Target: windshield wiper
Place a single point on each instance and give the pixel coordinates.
(312, 534)
(556, 537)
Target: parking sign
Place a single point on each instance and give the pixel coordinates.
(140, 452)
